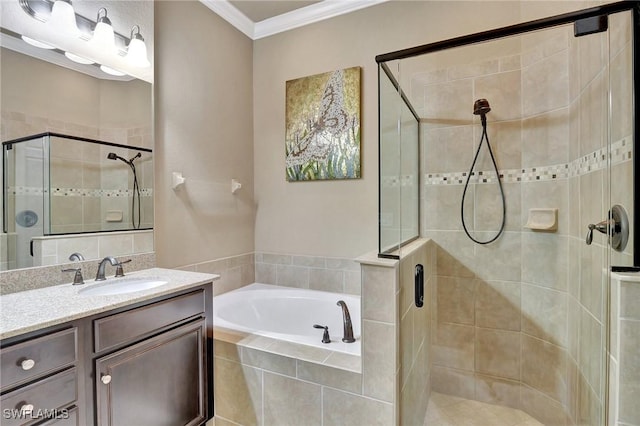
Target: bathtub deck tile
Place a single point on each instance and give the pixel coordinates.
(269, 361)
(242, 339)
(226, 350)
(303, 352)
(344, 362)
(329, 376)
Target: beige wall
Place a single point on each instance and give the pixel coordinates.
(203, 101)
(38, 96)
(339, 218)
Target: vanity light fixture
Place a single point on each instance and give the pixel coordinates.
(103, 35)
(137, 50)
(103, 43)
(36, 43)
(63, 18)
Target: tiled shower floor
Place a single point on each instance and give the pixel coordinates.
(445, 410)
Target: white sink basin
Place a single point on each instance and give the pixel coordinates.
(121, 285)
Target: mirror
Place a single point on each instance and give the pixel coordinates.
(95, 124)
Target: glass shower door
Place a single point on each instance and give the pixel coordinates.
(525, 320)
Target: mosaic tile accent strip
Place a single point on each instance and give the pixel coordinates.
(621, 151)
(394, 181)
(78, 192)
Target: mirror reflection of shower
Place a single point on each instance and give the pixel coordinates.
(135, 198)
(481, 107)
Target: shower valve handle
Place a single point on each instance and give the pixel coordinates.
(616, 227)
(603, 227)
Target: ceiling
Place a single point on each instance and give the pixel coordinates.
(260, 10)
(262, 18)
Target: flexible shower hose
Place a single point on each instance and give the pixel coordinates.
(484, 137)
(136, 194)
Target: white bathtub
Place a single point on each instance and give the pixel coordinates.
(289, 314)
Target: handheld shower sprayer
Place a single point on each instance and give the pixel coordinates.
(114, 156)
(481, 107)
(136, 187)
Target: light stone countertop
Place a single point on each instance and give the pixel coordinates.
(31, 310)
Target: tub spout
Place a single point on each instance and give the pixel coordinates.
(346, 320)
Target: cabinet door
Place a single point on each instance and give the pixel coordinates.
(160, 381)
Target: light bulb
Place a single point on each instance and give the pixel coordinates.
(37, 43)
(103, 37)
(63, 18)
(137, 50)
(78, 59)
(111, 71)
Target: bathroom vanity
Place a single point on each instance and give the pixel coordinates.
(135, 358)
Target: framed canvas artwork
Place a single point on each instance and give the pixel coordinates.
(322, 137)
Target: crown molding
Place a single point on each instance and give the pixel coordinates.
(232, 15)
(287, 21)
(308, 15)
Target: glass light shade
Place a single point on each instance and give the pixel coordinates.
(137, 53)
(103, 37)
(37, 43)
(78, 59)
(111, 71)
(63, 18)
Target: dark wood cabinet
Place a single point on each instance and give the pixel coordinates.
(159, 381)
(143, 364)
(39, 378)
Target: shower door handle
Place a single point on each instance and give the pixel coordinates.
(419, 285)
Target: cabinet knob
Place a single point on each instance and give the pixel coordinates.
(27, 364)
(26, 408)
(106, 379)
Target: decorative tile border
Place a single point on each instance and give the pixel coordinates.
(621, 151)
(78, 192)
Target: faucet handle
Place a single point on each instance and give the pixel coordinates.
(325, 336)
(77, 278)
(119, 270)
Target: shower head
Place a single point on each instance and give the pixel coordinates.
(481, 107)
(113, 156)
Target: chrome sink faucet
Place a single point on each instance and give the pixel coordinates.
(100, 274)
(346, 320)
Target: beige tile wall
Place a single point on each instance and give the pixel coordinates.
(520, 322)
(415, 334)
(332, 274)
(235, 271)
(54, 250)
(624, 387)
(261, 381)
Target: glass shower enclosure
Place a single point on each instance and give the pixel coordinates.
(55, 184)
(522, 321)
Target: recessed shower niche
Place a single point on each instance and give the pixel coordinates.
(520, 311)
(56, 184)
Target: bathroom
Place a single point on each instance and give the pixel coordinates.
(220, 116)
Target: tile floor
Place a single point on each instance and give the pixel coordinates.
(445, 410)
